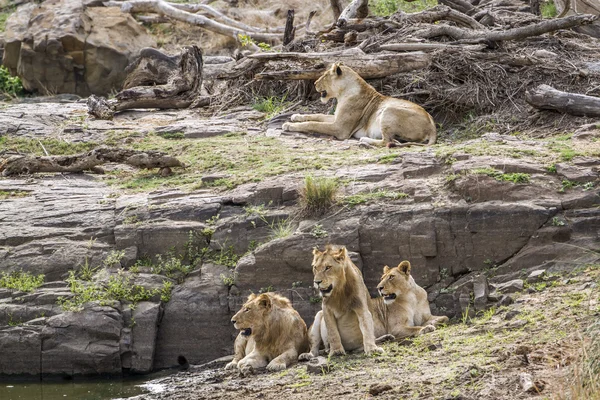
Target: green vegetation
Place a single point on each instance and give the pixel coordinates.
(172, 135)
(384, 8)
(281, 228)
(19, 280)
(55, 147)
(13, 194)
(118, 288)
(567, 184)
(318, 231)
(271, 105)
(362, 198)
(548, 9)
(557, 221)
(10, 86)
(318, 195)
(516, 177)
(228, 280)
(267, 289)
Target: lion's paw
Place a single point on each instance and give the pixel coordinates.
(231, 365)
(297, 118)
(427, 329)
(337, 351)
(374, 350)
(246, 369)
(286, 126)
(306, 357)
(275, 366)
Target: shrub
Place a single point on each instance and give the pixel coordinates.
(10, 86)
(318, 195)
(23, 281)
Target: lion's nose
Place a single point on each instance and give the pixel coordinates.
(233, 320)
(380, 288)
(318, 282)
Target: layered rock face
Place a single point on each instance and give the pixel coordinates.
(64, 46)
(464, 236)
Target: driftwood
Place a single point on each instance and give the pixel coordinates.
(369, 66)
(163, 8)
(547, 98)
(474, 36)
(428, 47)
(356, 9)
(156, 80)
(290, 31)
(28, 164)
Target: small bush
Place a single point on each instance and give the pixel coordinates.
(318, 195)
(23, 281)
(384, 8)
(281, 229)
(10, 86)
(271, 105)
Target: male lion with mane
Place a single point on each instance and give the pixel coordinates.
(272, 334)
(401, 311)
(364, 113)
(346, 319)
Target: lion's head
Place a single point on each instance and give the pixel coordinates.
(395, 282)
(335, 80)
(329, 269)
(257, 314)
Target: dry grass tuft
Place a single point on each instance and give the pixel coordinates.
(318, 195)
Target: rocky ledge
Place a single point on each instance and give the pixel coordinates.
(469, 217)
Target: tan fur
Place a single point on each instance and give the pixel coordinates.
(405, 316)
(345, 317)
(278, 334)
(408, 314)
(364, 113)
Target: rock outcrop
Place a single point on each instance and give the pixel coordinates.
(66, 46)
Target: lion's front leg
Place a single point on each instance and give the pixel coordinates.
(315, 338)
(327, 128)
(404, 331)
(251, 362)
(283, 360)
(243, 346)
(365, 322)
(312, 117)
(333, 334)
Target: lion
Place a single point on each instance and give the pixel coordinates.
(408, 312)
(272, 334)
(364, 113)
(345, 319)
(401, 311)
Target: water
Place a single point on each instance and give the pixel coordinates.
(77, 389)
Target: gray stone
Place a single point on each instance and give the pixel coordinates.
(83, 343)
(506, 300)
(65, 47)
(513, 286)
(576, 174)
(536, 276)
(318, 365)
(145, 321)
(511, 314)
(480, 292)
(20, 350)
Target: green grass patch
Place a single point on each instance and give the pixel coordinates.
(548, 9)
(318, 195)
(19, 280)
(55, 147)
(10, 86)
(384, 8)
(515, 177)
(13, 194)
(362, 198)
(271, 105)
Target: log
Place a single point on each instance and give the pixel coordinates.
(28, 164)
(156, 80)
(370, 66)
(356, 9)
(428, 46)
(440, 13)
(336, 9)
(547, 98)
(474, 37)
(163, 8)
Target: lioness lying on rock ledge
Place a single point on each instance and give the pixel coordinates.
(364, 113)
(272, 334)
(401, 311)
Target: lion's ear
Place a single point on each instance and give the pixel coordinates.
(252, 296)
(386, 269)
(316, 251)
(404, 266)
(264, 301)
(340, 254)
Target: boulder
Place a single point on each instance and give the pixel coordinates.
(64, 46)
(144, 330)
(513, 286)
(20, 350)
(83, 343)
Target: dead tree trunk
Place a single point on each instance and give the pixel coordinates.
(28, 164)
(336, 8)
(290, 31)
(547, 98)
(356, 9)
(156, 80)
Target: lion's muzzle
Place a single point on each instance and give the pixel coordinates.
(247, 332)
(324, 94)
(326, 291)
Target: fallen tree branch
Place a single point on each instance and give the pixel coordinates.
(27, 164)
(356, 9)
(156, 80)
(163, 8)
(439, 13)
(428, 46)
(369, 66)
(473, 37)
(547, 98)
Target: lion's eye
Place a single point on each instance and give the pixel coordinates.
(327, 267)
(247, 309)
